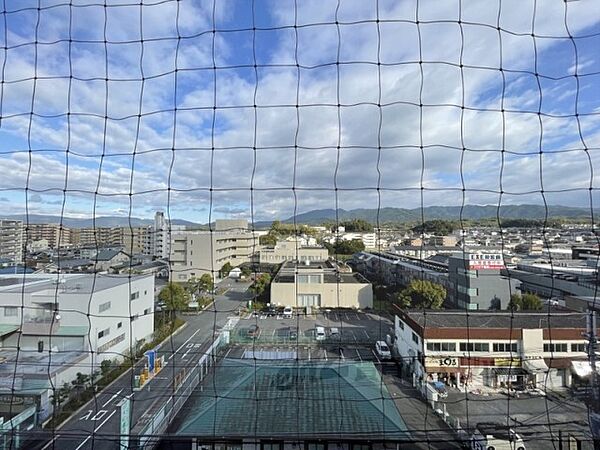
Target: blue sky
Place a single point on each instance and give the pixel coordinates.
(145, 156)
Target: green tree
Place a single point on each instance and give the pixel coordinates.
(437, 226)
(206, 283)
(246, 271)
(268, 239)
(105, 366)
(525, 302)
(422, 294)
(356, 225)
(261, 284)
(175, 297)
(346, 247)
(226, 269)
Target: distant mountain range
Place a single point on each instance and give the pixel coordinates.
(101, 221)
(319, 216)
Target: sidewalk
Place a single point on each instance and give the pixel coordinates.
(427, 430)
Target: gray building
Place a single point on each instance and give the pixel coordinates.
(476, 281)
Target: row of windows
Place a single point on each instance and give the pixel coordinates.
(104, 307)
(11, 311)
(499, 347)
(280, 446)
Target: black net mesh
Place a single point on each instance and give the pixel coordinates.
(277, 223)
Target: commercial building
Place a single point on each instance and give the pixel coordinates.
(291, 251)
(11, 240)
(55, 326)
(476, 281)
(320, 285)
(492, 348)
(194, 253)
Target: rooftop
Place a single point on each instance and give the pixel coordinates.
(496, 319)
(293, 398)
(65, 283)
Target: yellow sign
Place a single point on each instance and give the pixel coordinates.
(507, 362)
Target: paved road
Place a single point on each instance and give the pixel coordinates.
(96, 426)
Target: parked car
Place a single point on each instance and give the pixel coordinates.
(319, 333)
(334, 333)
(495, 436)
(293, 335)
(253, 331)
(382, 350)
(288, 312)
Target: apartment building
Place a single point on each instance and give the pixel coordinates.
(492, 348)
(11, 240)
(194, 253)
(291, 250)
(101, 236)
(476, 281)
(320, 284)
(68, 324)
(55, 234)
(138, 240)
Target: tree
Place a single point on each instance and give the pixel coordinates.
(226, 269)
(206, 283)
(422, 294)
(525, 302)
(261, 284)
(438, 226)
(268, 239)
(246, 271)
(174, 296)
(356, 225)
(346, 247)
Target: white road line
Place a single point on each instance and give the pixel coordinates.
(376, 357)
(309, 354)
(358, 354)
(105, 420)
(112, 398)
(51, 442)
(182, 345)
(325, 353)
(185, 354)
(228, 351)
(342, 354)
(83, 443)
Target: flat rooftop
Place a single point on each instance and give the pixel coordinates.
(496, 319)
(73, 283)
(292, 399)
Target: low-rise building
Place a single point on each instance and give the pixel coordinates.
(291, 251)
(320, 284)
(492, 348)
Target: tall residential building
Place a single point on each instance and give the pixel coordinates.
(160, 239)
(11, 240)
(55, 234)
(101, 236)
(194, 253)
(138, 240)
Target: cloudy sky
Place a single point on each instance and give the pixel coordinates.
(357, 104)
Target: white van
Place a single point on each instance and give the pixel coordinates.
(288, 312)
(319, 333)
(383, 351)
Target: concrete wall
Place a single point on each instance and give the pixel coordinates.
(333, 295)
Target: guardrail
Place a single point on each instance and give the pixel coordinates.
(146, 433)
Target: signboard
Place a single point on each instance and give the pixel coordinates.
(151, 355)
(441, 361)
(507, 362)
(125, 422)
(486, 261)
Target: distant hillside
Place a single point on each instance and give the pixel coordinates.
(101, 221)
(472, 212)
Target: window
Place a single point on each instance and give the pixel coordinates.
(504, 347)
(309, 278)
(120, 324)
(441, 346)
(361, 447)
(135, 295)
(558, 348)
(415, 338)
(104, 307)
(315, 446)
(11, 311)
(271, 445)
(401, 324)
(474, 347)
(147, 311)
(578, 347)
(104, 333)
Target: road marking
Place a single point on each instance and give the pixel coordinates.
(112, 398)
(185, 354)
(188, 340)
(325, 353)
(228, 351)
(342, 354)
(309, 354)
(376, 357)
(51, 442)
(83, 443)
(99, 415)
(105, 420)
(358, 354)
(354, 337)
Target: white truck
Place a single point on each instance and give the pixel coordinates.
(493, 436)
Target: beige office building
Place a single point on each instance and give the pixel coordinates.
(194, 253)
(291, 251)
(320, 285)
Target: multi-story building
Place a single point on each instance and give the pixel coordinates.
(101, 236)
(492, 348)
(291, 251)
(138, 240)
(11, 240)
(476, 281)
(321, 284)
(194, 253)
(68, 324)
(57, 236)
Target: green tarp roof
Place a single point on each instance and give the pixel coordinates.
(293, 399)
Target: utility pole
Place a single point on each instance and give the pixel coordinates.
(594, 378)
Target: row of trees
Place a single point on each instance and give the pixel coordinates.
(280, 231)
(345, 247)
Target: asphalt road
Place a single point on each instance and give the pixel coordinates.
(96, 426)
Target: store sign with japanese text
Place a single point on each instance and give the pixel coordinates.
(441, 361)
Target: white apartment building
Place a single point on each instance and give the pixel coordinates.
(194, 253)
(492, 348)
(53, 326)
(11, 240)
(161, 235)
